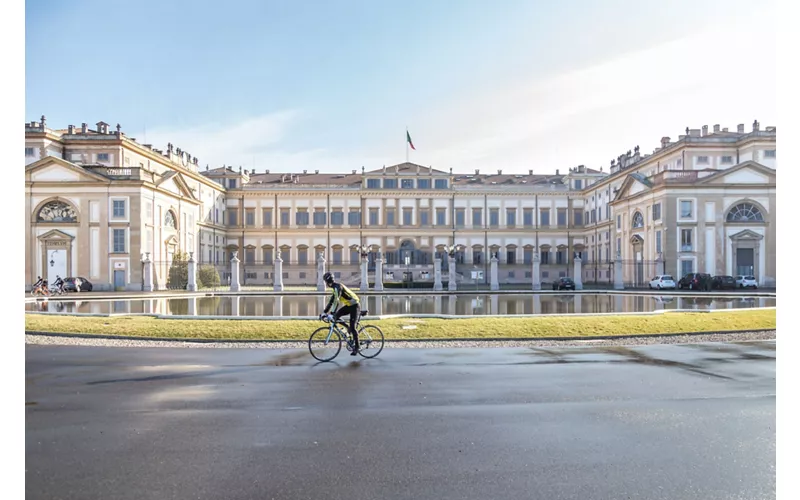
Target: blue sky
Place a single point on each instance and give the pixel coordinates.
(332, 85)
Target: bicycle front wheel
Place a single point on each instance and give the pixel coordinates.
(370, 340)
(322, 348)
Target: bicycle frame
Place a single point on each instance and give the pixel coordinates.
(334, 325)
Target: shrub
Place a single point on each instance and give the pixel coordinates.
(208, 277)
(178, 272)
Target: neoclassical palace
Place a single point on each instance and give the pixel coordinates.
(99, 202)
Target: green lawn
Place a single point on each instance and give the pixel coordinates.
(412, 328)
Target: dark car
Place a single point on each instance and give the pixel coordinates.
(564, 284)
(73, 284)
(723, 282)
(695, 281)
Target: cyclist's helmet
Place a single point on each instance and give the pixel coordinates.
(328, 278)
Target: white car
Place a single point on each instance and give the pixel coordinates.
(662, 281)
(746, 282)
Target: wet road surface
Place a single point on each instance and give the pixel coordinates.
(654, 422)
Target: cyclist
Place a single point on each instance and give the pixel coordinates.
(59, 284)
(37, 287)
(341, 295)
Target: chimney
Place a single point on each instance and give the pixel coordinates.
(530, 172)
(664, 142)
(705, 130)
(42, 124)
(84, 128)
(740, 128)
(556, 171)
(755, 125)
(70, 129)
(716, 128)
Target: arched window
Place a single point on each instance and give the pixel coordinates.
(638, 220)
(169, 219)
(745, 212)
(56, 211)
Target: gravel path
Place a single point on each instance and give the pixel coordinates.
(646, 340)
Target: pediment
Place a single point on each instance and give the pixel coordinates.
(176, 184)
(54, 169)
(749, 172)
(55, 234)
(632, 185)
(746, 234)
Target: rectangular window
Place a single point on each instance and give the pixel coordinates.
(302, 256)
(658, 241)
(441, 216)
(527, 256)
(586, 216)
(102, 157)
(686, 267)
(423, 184)
(594, 216)
(686, 240)
(608, 212)
(284, 217)
(407, 219)
(477, 256)
(390, 217)
(373, 216)
(301, 218)
(619, 222)
(250, 256)
(578, 184)
(440, 183)
(424, 217)
(250, 217)
(727, 160)
(578, 217)
(511, 256)
(119, 209)
(354, 217)
(545, 218)
(527, 217)
(619, 245)
(477, 217)
(407, 183)
(561, 217)
(267, 256)
(373, 183)
(320, 217)
(119, 240)
(494, 217)
(337, 255)
(266, 217)
(233, 217)
(337, 218)
(28, 151)
(353, 256)
(769, 153)
(148, 210)
(657, 211)
(702, 160)
(231, 183)
(389, 183)
(561, 257)
(545, 257)
(460, 217)
(511, 217)
(686, 209)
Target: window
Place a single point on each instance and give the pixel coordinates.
(702, 160)
(561, 257)
(250, 217)
(302, 256)
(619, 221)
(301, 218)
(680, 162)
(102, 157)
(423, 184)
(686, 240)
(148, 210)
(561, 217)
(440, 183)
(619, 245)
(745, 212)
(373, 183)
(494, 217)
(578, 184)
(337, 255)
(407, 217)
(511, 217)
(231, 183)
(686, 267)
(169, 220)
(118, 209)
(527, 256)
(460, 217)
(250, 256)
(545, 257)
(593, 213)
(545, 218)
(354, 256)
(424, 217)
(407, 183)
(216, 216)
(354, 217)
(390, 183)
(390, 217)
(586, 217)
(232, 216)
(28, 151)
(119, 240)
(373, 216)
(727, 160)
(511, 256)
(284, 217)
(578, 216)
(477, 255)
(637, 221)
(266, 217)
(267, 256)
(658, 241)
(337, 218)
(686, 209)
(608, 212)
(657, 211)
(769, 153)
(441, 217)
(477, 217)
(320, 217)
(527, 217)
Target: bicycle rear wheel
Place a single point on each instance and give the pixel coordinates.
(323, 349)
(370, 340)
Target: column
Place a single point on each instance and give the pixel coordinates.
(578, 273)
(378, 274)
(618, 273)
(437, 275)
(235, 272)
(495, 284)
(364, 275)
(191, 285)
(320, 273)
(451, 286)
(535, 274)
(278, 274)
(148, 273)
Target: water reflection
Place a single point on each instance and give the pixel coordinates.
(459, 305)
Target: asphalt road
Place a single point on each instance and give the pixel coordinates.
(656, 422)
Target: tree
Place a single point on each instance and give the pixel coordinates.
(208, 277)
(178, 271)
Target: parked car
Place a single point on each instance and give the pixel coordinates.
(564, 284)
(722, 282)
(746, 282)
(695, 281)
(73, 284)
(662, 281)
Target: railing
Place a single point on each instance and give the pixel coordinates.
(117, 172)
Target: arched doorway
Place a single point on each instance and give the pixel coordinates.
(407, 250)
(638, 260)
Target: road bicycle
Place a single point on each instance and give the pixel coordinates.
(326, 342)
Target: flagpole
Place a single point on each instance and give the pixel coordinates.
(406, 144)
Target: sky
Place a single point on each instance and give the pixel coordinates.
(288, 86)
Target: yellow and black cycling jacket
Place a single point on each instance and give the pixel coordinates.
(343, 295)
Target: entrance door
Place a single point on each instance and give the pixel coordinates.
(745, 262)
(56, 265)
(119, 278)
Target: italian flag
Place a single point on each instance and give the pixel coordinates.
(408, 138)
